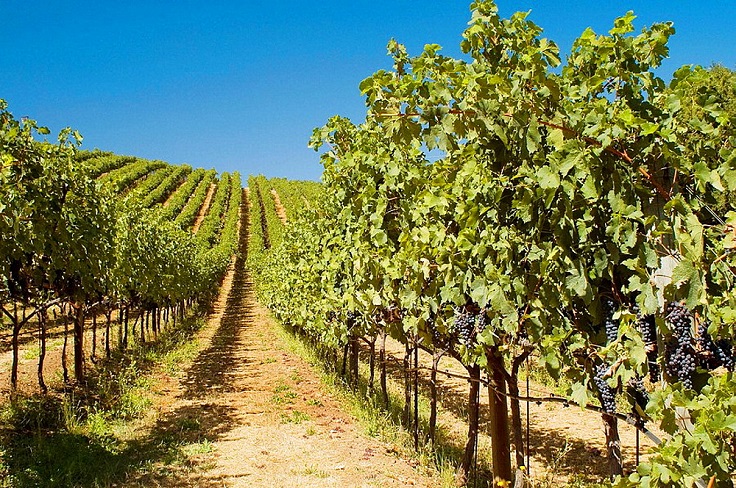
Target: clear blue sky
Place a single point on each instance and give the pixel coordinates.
(240, 85)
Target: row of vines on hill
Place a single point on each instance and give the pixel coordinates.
(268, 230)
(88, 234)
(579, 213)
(295, 196)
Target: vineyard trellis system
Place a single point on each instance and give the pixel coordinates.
(73, 248)
(581, 212)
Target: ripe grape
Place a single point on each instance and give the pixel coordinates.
(726, 353)
(680, 321)
(482, 321)
(464, 325)
(610, 324)
(713, 353)
(606, 394)
(681, 363)
(468, 324)
(638, 393)
(648, 329)
(438, 339)
(679, 353)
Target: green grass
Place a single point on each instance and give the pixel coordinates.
(314, 471)
(34, 351)
(283, 395)
(378, 422)
(314, 402)
(91, 438)
(31, 352)
(294, 417)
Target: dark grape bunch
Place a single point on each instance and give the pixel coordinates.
(438, 339)
(713, 354)
(680, 354)
(639, 395)
(681, 364)
(464, 325)
(680, 320)
(482, 321)
(606, 394)
(468, 324)
(648, 329)
(611, 325)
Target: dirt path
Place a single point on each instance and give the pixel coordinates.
(280, 210)
(270, 421)
(203, 209)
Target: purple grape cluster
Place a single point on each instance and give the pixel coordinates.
(681, 365)
(468, 324)
(713, 354)
(438, 339)
(680, 354)
(606, 394)
(637, 392)
(680, 321)
(648, 329)
(610, 324)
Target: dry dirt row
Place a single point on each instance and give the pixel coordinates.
(280, 210)
(203, 209)
(270, 420)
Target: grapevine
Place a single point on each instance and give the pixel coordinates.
(557, 185)
(606, 394)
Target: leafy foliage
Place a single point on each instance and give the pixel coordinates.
(556, 191)
(67, 236)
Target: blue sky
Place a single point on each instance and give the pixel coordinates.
(240, 85)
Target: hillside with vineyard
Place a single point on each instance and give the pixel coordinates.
(517, 270)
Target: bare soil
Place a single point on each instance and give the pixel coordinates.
(280, 210)
(274, 422)
(269, 419)
(205, 207)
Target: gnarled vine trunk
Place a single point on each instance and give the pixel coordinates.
(499, 421)
(79, 343)
(473, 421)
(613, 445)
